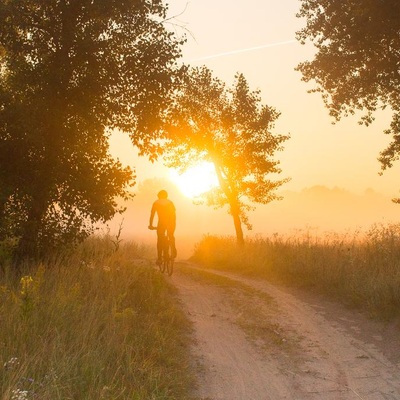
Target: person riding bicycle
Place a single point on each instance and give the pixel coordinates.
(166, 214)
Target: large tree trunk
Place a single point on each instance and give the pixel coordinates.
(3, 201)
(27, 249)
(238, 229)
(233, 203)
(235, 212)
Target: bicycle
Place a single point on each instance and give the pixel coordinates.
(167, 261)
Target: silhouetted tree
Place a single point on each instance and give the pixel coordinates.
(70, 72)
(232, 129)
(357, 63)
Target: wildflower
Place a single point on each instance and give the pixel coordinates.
(11, 363)
(18, 394)
(51, 376)
(26, 284)
(29, 380)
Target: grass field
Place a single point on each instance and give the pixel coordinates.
(360, 269)
(97, 325)
(104, 324)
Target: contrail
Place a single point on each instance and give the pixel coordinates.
(229, 53)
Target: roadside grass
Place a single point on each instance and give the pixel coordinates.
(97, 325)
(359, 269)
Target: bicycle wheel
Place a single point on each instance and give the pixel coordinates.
(164, 264)
(164, 255)
(161, 266)
(170, 266)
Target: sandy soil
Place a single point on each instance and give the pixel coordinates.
(257, 341)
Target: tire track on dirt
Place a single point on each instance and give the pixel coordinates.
(229, 366)
(335, 354)
(343, 349)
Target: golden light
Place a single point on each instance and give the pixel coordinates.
(196, 180)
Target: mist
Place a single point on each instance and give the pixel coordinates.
(318, 208)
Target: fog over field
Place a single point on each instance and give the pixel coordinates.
(317, 209)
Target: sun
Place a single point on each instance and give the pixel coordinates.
(196, 180)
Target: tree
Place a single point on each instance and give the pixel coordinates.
(357, 63)
(70, 72)
(232, 129)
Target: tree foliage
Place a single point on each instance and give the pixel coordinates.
(70, 72)
(357, 63)
(232, 129)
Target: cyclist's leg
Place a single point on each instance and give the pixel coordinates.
(171, 239)
(160, 242)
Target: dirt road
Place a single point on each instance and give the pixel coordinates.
(256, 341)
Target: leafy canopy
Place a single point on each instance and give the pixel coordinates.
(231, 128)
(70, 72)
(357, 63)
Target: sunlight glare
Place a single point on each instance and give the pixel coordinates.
(196, 180)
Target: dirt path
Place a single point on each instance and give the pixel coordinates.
(255, 341)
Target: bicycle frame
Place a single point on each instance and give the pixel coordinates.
(167, 261)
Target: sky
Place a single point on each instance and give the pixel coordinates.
(257, 38)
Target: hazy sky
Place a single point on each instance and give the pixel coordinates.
(318, 152)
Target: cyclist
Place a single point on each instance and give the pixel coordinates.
(166, 214)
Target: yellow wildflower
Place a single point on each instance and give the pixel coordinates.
(26, 285)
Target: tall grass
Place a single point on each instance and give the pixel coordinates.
(361, 269)
(96, 326)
